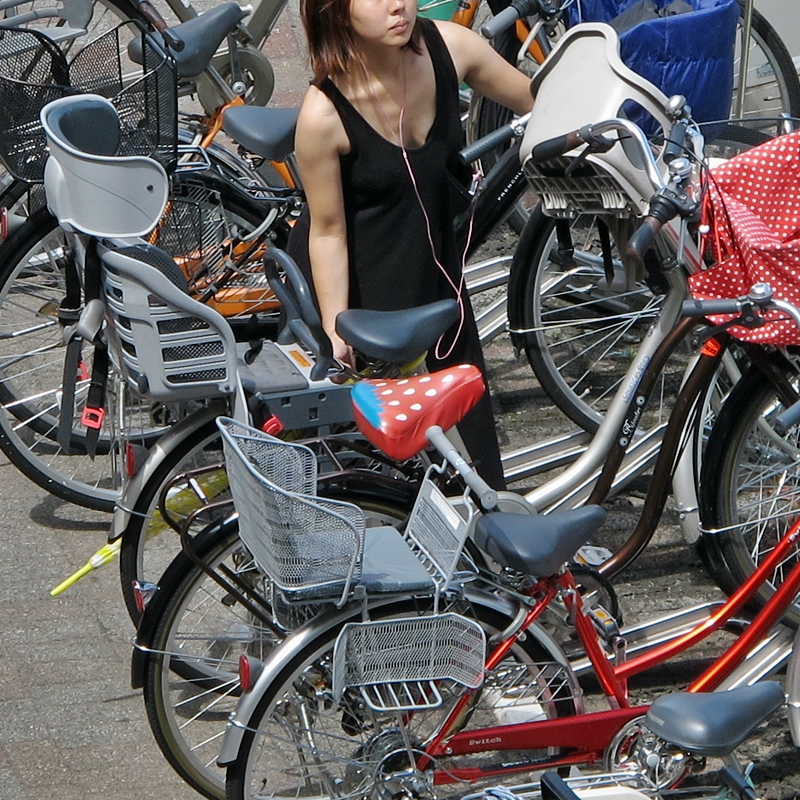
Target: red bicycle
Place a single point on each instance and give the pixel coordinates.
(402, 705)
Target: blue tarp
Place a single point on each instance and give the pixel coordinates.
(688, 53)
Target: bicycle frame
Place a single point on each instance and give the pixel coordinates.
(588, 735)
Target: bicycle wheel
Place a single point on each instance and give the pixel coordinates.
(361, 753)
(771, 86)
(149, 544)
(191, 679)
(750, 484)
(579, 333)
(32, 285)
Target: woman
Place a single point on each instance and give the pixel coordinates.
(377, 142)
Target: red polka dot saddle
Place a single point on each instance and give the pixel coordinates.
(395, 414)
(753, 208)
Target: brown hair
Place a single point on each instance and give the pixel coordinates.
(331, 42)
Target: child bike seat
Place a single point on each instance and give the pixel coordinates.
(394, 415)
(582, 82)
(89, 188)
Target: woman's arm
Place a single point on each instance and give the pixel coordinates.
(320, 140)
(483, 69)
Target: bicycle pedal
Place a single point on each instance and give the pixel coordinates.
(605, 624)
(592, 555)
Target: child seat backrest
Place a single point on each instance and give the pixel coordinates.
(168, 345)
(583, 81)
(89, 188)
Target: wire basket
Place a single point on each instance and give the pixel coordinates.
(398, 663)
(437, 532)
(34, 72)
(727, 138)
(222, 270)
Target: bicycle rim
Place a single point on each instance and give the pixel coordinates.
(32, 286)
(771, 86)
(580, 334)
(750, 485)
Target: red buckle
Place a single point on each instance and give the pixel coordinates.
(83, 371)
(273, 426)
(93, 417)
(3, 223)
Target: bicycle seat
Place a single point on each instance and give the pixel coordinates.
(713, 724)
(537, 544)
(396, 336)
(267, 132)
(394, 415)
(201, 37)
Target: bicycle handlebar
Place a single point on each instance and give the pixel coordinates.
(547, 9)
(552, 148)
(151, 14)
(501, 21)
(497, 137)
(643, 237)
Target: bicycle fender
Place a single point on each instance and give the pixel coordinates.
(185, 429)
(520, 265)
(282, 656)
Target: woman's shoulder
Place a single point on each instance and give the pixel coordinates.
(466, 47)
(320, 119)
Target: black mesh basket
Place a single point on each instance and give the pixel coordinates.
(33, 72)
(728, 138)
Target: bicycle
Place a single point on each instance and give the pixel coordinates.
(425, 742)
(573, 487)
(577, 483)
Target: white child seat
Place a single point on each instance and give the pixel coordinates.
(582, 82)
(89, 188)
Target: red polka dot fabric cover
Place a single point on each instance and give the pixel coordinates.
(753, 208)
(395, 414)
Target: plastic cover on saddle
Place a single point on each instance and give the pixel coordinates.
(753, 209)
(394, 415)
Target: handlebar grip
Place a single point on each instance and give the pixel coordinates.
(643, 237)
(483, 145)
(675, 144)
(707, 308)
(500, 22)
(150, 13)
(783, 422)
(550, 148)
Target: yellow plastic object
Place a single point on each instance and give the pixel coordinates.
(181, 504)
(106, 554)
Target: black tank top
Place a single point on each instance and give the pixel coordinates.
(391, 263)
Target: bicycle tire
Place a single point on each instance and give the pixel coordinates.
(749, 486)
(579, 334)
(31, 363)
(774, 57)
(200, 617)
(368, 739)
